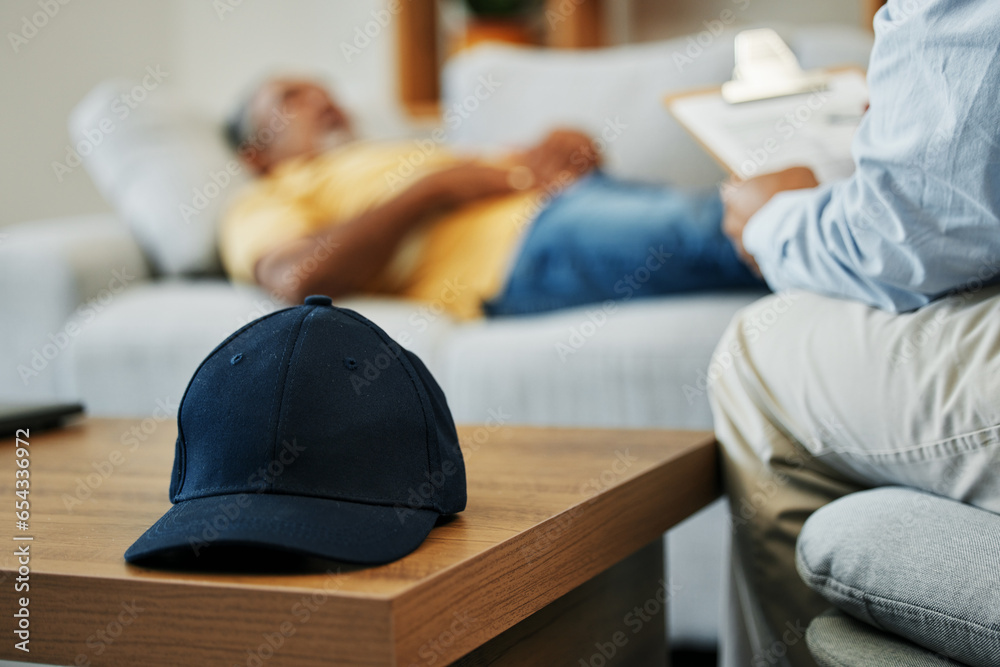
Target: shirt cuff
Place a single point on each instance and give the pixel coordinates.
(771, 233)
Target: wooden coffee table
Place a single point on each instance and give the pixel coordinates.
(557, 560)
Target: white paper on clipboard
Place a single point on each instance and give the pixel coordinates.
(813, 129)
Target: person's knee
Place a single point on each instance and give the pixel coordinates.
(748, 335)
(745, 361)
(731, 352)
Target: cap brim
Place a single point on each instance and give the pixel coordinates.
(335, 529)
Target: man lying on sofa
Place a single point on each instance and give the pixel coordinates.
(534, 230)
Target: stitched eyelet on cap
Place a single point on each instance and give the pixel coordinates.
(350, 363)
(236, 358)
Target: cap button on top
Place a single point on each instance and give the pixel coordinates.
(318, 300)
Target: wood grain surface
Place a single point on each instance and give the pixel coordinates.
(549, 510)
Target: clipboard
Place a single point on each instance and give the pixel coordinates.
(782, 116)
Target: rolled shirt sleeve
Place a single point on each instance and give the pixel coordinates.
(919, 217)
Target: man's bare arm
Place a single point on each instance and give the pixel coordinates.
(356, 251)
(563, 152)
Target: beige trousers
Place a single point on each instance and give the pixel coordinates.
(815, 398)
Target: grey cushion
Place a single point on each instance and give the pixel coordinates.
(837, 640)
(917, 565)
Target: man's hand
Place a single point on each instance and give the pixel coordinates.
(744, 198)
(466, 182)
(563, 151)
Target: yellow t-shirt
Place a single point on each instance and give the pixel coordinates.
(456, 259)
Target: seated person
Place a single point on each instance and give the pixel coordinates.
(885, 369)
(337, 215)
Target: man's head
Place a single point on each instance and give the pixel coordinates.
(285, 118)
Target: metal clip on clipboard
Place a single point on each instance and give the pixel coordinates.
(767, 68)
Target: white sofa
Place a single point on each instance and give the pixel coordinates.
(108, 309)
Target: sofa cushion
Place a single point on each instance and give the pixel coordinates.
(837, 640)
(911, 563)
(165, 169)
(638, 364)
(143, 346)
(501, 96)
(52, 273)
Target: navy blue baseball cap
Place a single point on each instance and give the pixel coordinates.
(310, 430)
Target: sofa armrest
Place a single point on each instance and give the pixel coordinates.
(54, 276)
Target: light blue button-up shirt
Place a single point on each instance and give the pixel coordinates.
(919, 217)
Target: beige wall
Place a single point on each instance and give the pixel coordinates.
(81, 44)
(211, 56)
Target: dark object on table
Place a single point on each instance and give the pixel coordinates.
(37, 416)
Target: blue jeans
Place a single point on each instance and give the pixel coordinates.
(606, 239)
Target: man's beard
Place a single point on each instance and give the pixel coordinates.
(335, 139)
